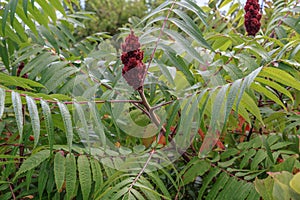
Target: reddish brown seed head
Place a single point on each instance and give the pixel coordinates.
(252, 17)
(132, 58)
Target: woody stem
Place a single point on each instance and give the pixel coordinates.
(153, 116)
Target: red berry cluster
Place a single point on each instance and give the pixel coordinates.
(252, 17)
(132, 58)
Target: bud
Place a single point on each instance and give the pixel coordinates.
(132, 59)
(252, 17)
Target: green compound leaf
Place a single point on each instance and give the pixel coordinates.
(33, 161)
(17, 105)
(59, 170)
(85, 177)
(48, 122)
(70, 175)
(66, 116)
(35, 120)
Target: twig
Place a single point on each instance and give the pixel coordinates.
(142, 109)
(14, 145)
(227, 172)
(177, 194)
(152, 114)
(162, 104)
(158, 39)
(12, 190)
(10, 186)
(272, 34)
(143, 169)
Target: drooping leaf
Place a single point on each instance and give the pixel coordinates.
(82, 124)
(189, 116)
(216, 122)
(98, 127)
(48, 122)
(43, 178)
(17, 105)
(59, 170)
(97, 173)
(85, 177)
(25, 19)
(70, 175)
(35, 120)
(231, 97)
(66, 116)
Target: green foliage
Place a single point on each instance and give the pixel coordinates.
(279, 185)
(71, 127)
(100, 19)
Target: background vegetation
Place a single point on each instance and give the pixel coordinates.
(109, 16)
(228, 103)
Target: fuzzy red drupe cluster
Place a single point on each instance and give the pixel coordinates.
(252, 17)
(132, 59)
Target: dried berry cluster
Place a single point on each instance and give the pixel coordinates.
(252, 17)
(132, 58)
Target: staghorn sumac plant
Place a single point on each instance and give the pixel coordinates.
(197, 102)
